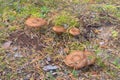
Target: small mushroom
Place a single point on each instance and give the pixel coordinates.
(74, 31)
(59, 29)
(35, 22)
(90, 57)
(76, 59)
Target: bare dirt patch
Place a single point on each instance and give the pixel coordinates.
(23, 39)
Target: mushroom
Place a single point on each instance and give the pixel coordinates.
(59, 29)
(74, 31)
(90, 57)
(76, 59)
(35, 22)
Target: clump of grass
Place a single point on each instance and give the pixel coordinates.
(8, 15)
(114, 34)
(76, 1)
(44, 11)
(75, 73)
(100, 62)
(49, 3)
(50, 76)
(104, 7)
(65, 18)
(13, 28)
(110, 8)
(29, 10)
(85, 1)
(116, 62)
(3, 36)
(76, 46)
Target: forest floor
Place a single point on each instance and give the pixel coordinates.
(28, 54)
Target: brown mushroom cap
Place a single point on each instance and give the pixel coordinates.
(59, 29)
(76, 59)
(90, 57)
(74, 31)
(35, 22)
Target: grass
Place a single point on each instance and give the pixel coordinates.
(114, 34)
(116, 62)
(75, 73)
(106, 8)
(44, 11)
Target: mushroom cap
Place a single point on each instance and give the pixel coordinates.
(74, 31)
(76, 59)
(90, 57)
(59, 29)
(35, 22)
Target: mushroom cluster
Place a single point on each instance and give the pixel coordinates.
(79, 59)
(35, 22)
(60, 29)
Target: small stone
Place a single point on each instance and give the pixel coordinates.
(49, 67)
(18, 55)
(28, 75)
(48, 59)
(26, 79)
(102, 43)
(15, 48)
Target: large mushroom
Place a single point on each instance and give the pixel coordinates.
(76, 59)
(79, 59)
(90, 57)
(59, 29)
(35, 22)
(74, 31)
